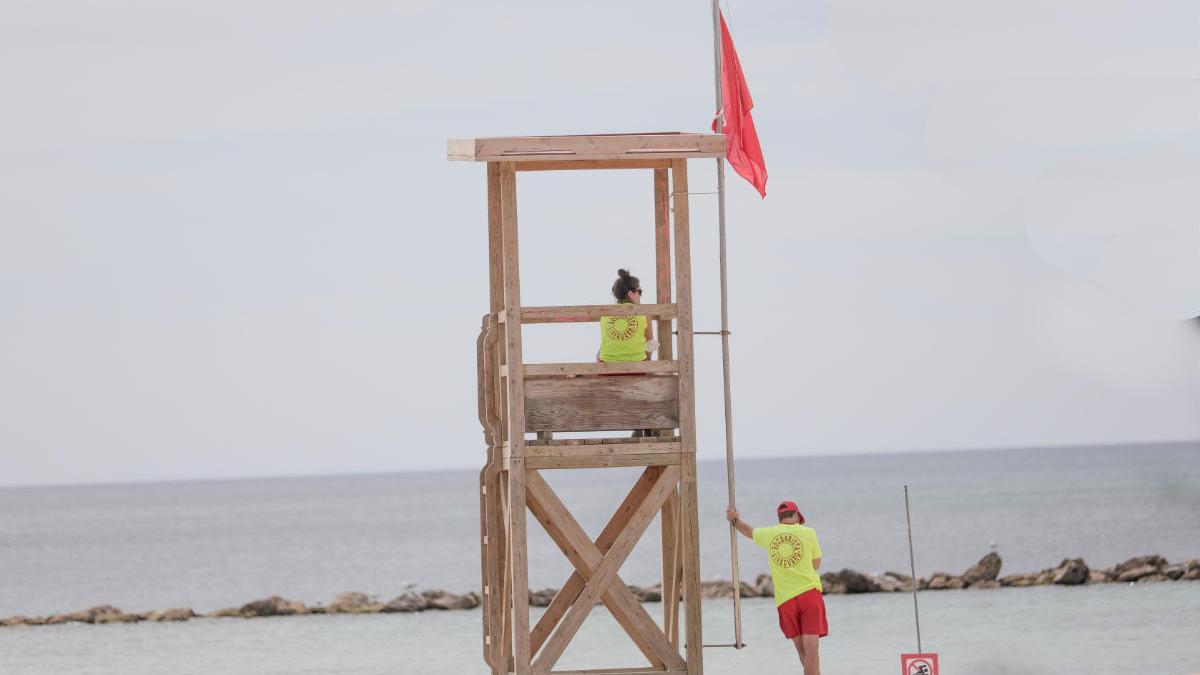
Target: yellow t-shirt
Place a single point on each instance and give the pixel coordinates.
(622, 338)
(790, 550)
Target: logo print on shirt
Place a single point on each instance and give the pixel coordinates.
(620, 327)
(786, 550)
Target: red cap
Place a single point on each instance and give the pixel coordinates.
(790, 506)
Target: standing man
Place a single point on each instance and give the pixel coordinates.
(795, 557)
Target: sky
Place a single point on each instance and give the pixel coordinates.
(231, 244)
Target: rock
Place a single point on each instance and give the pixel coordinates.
(22, 620)
(1042, 578)
(408, 602)
(176, 614)
(1151, 578)
(647, 594)
(440, 599)
(1191, 570)
(353, 603)
(110, 614)
(891, 584)
(98, 614)
(938, 581)
(851, 581)
(1070, 573)
(542, 598)
(987, 569)
(650, 594)
(1136, 573)
(985, 584)
(1174, 572)
(716, 589)
(1155, 561)
(1100, 576)
(272, 606)
(1019, 580)
(942, 581)
(228, 612)
(468, 600)
(829, 586)
(765, 586)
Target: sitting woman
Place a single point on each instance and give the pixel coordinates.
(626, 338)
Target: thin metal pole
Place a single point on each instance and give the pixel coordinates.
(733, 549)
(912, 563)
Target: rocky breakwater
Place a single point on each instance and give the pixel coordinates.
(355, 603)
(1142, 569)
(984, 574)
(346, 603)
(99, 615)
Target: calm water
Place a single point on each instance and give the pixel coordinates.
(1101, 630)
(216, 544)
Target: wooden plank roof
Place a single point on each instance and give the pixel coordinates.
(658, 145)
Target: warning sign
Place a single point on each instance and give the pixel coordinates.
(918, 664)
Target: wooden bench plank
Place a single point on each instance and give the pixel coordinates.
(604, 404)
(604, 449)
(586, 313)
(602, 461)
(544, 370)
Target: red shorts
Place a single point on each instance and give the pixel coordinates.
(804, 615)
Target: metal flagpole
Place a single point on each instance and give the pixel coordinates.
(912, 562)
(737, 577)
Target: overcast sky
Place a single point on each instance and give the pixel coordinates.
(231, 244)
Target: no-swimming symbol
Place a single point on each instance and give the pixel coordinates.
(919, 664)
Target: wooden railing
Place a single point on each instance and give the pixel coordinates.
(585, 313)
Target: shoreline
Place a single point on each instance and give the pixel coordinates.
(985, 574)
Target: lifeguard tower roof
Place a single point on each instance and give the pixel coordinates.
(587, 147)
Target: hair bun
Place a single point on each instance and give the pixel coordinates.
(623, 273)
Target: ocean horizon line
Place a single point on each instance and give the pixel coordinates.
(460, 469)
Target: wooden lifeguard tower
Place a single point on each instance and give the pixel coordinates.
(518, 399)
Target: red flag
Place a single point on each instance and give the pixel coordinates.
(741, 140)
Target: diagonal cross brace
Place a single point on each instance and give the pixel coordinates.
(587, 555)
(604, 573)
(570, 590)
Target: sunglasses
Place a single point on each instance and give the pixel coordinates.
(636, 290)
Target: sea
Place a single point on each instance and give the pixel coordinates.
(214, 544)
